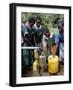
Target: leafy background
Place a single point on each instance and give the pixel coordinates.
(48, 19)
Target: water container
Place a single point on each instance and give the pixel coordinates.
(36, 56)
(53, 64)
(35, 65)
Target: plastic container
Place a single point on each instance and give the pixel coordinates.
(35, 65)
(53, 64)
(36, 56)
(42, 62)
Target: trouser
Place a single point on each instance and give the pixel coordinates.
(26, 58)
(61, 53)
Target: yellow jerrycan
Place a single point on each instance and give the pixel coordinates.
(35, 65)
(53, 64)
(36, 56)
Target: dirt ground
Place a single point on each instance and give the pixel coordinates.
(41, 72)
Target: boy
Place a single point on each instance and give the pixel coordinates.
(60, 41)
(39, 30)
(27, 36)
(48, 39)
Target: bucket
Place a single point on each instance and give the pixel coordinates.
(42, 62)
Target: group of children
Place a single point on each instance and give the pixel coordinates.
(34, 34)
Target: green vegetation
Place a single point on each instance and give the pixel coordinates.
(49, 20)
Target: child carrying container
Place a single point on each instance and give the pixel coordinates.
(47, 40)
(53, 60)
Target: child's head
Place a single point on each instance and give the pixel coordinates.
(53, 48)
(47, 32)
(38, 21)
(61, 27)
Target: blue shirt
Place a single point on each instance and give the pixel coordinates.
(60, 42)
(59, 39)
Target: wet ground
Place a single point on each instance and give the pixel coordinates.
(42, 72)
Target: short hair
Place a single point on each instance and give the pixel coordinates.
(53, 44)
(46, 30)
(38, 18)
(31, 19)
(60, 24)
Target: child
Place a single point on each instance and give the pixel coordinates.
(59, 39)
(53, 60)
(48, 39)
